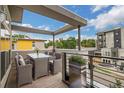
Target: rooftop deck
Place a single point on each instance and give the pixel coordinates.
(51, 81)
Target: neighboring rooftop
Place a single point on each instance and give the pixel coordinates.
(110, 30)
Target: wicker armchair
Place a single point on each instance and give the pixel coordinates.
(24, 73)
(56, 65)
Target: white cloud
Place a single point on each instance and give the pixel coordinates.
(27, 25)
(98, 8)
(44, 27)
(64, 37)
(113, 17)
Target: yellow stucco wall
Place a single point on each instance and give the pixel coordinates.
(20, 44)
(4, 45)
(24, 45)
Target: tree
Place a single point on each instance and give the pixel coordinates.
(59, 45)
(46, 45)
(64, 42)
(88, 43)
(18, 36)
(83, 43)
(71, 43)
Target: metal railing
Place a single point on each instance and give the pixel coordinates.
(98, 74)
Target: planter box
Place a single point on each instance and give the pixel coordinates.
(77, 75)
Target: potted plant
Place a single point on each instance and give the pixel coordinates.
(77, 71)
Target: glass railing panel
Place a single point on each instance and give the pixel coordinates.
(3, 69)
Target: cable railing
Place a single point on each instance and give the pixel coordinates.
(98, 74)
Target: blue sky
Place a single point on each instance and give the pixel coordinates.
(99, 18)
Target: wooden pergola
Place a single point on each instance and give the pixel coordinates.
(14, 13)
(59, 13)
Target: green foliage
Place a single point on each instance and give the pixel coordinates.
(65, 44)
(70, 43)
(59, 44)
(77, 59)
(50, 43)
(18, 36)
(88, 43)
(46, 45)
(118, 84)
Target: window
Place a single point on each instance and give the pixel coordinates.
(116, 40)
(100, 43)
(106, 61)
(33, 45)
(109, 61)
(13, 46)
(116, 33)
(100, 37)
(103, 60)
(108, 53)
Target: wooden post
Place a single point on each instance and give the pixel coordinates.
(91, 71)
(53, 43)
(11, 41)
(79, 39)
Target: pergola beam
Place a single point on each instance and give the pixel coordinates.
(16, 13)
(52, 11)
(30, 30)
(64, 29)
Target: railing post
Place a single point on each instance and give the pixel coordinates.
(91, 71)
(53, 43)
(64, 73)
(79, 39)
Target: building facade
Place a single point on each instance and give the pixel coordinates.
(111, 39)
(111, 44)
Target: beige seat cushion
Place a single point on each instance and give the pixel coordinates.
(21, 60)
